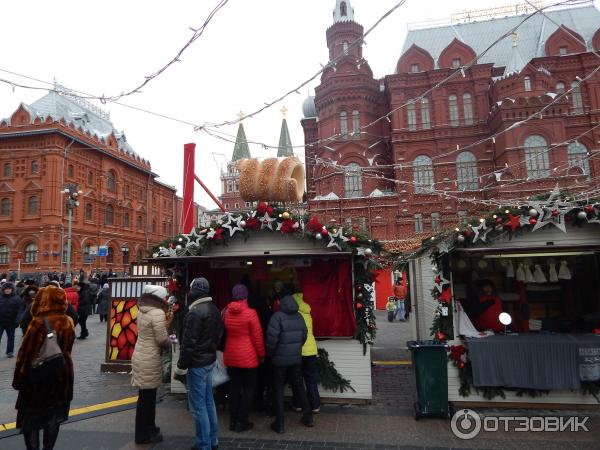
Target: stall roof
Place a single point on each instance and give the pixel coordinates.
(179, 259)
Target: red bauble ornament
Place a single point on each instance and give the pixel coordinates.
(532, 221)
(499, 220)
(270, 210)
(252, 223)
(555, 213)
(324, 232)
(359, 288)
(468, 233)
(262, 208)
(589, 208)
(568, 218)
(314, 225)
(359, 306)
(353, 240)
(440, 336)
(461, 365)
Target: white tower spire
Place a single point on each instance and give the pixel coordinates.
(343, 12)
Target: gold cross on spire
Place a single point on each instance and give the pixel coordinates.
(241, 115)
(284, 111)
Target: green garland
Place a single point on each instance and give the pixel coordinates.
(328, 375)
(273, 218)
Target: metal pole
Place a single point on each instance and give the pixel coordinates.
(70, 209)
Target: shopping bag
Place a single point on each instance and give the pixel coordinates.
(219, 373)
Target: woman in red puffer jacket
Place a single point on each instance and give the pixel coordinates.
(244, 349)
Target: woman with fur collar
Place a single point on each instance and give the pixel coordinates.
(44, 404)
(146, 363)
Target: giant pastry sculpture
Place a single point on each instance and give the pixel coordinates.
(271, 180)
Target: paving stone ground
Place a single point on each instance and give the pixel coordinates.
(387, 423)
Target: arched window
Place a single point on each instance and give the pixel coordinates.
(5, 207)
(70, 171)
(423, 174)
(109, 215)
(578, 157)
(418, 223)
(35, 167)
(90, 178)
(468, 108)
(89, 211)
(453, 110)
(4, 254)
(560, 87)
(425, 118)
(7, 172)
(466, 172)
(33, 205)
(527, 82)
(536, 157)
(343, 9)
(577, 98)
(345, 48)
(344, 124)
(111, 181)
(110, 255)
(353, 181)
(87, 250)
(435, 221)
(356, 124)
(126, 220)
(411, 114)
(31, 253)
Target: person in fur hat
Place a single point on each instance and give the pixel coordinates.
(146, 363)
(44, 404)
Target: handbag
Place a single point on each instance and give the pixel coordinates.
(50, 360)
(219, 372)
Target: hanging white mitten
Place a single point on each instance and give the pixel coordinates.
(520, 273)
(538, 275)
(564, 273)
(510, 270)
(529, 278)
(552, 275)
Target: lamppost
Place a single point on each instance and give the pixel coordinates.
(71, 194)
(125, 250)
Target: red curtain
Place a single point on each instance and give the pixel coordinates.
(327, 288)
(220, 288)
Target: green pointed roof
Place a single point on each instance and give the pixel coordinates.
(241, 149)
(285, 142)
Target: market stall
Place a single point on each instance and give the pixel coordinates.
(516, 295)
(270, 247)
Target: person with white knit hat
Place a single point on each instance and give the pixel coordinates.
(146, 363)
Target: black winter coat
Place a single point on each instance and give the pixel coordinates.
(286, 334)
(201, 335)
(9, 307)
(86, 299)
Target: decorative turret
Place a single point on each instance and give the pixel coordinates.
(241, 149)
(285, 141)
(344, 32)
(343, 12)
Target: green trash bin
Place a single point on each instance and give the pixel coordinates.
(430, 364)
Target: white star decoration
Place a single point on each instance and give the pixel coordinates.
(551, 211)
(193, 239)
(339, 234)
(211, 234)
(232, 224)
(442, 282)
(266, 221)
(481, 232)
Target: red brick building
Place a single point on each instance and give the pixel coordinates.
(61, 141)
(407, 172)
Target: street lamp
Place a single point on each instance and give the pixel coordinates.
(71, 193)
(125, 250)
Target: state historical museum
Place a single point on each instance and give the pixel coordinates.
(389, 155)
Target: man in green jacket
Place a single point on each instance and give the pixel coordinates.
(309, 356)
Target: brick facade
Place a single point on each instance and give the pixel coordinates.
(121, 205)
(403, 175)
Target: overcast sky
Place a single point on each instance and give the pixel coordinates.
(252, 52)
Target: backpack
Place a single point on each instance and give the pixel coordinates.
(50, 360)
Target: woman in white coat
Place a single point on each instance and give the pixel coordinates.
(152, 324)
